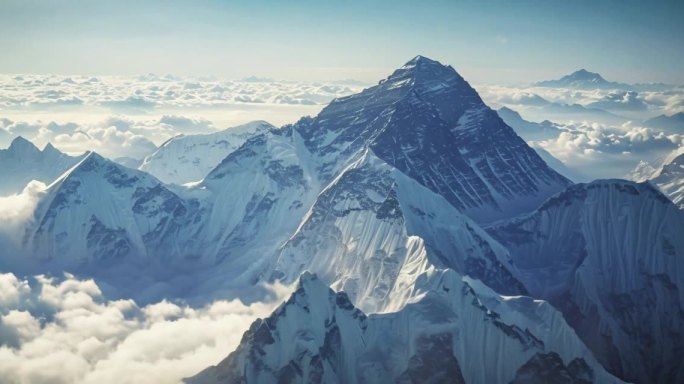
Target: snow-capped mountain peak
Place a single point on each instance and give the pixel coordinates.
(101, 212)
(428, 122)
(319, 336)
(185, 159)
(584, 75)
(583, 79)
(22, 148)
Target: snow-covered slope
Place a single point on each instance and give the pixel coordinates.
(642, 172)
(670, 179)
(454, 330)
(185, 159)
(257, 196)
(23, 162)
(428, 122)
(610, 256)
(374, 230)
(101, 212)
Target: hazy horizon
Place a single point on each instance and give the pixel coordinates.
(486, 42)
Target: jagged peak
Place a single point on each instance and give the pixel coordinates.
(311, 290)
(21, 145)
(422, 70)
(50, 149)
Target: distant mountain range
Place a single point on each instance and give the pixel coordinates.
(583, 79)
(22, 162)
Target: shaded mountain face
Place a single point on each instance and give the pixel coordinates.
(429, 123)
(374, 230)
(23, 162)
(318, 336)
(185, 159)
(670, 124)
(583, 79)
(528, 130)
(608, 254)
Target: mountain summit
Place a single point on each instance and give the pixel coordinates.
(428, 122)
(582, 79)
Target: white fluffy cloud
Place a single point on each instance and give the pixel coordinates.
(66, 331)
(115, 136)
(17, 210)
(641, 105)
(601, 151)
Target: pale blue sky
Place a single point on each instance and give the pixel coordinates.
(486, 41)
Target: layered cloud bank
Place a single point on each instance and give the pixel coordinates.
(603, 132)
(65, 330)
(149, 91)
(128, 117)
(116, 136)
(604, 152)
(120, 116)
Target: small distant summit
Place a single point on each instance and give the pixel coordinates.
(670, 124)
(23, 148)
(22, 162)
(256, 79)
(583, 74)
(583, 79)
(49, 148)
(21, 145)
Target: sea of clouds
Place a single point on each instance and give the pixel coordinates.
(150, 91)
(602, 131)
(123, 116)
(64, 330)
